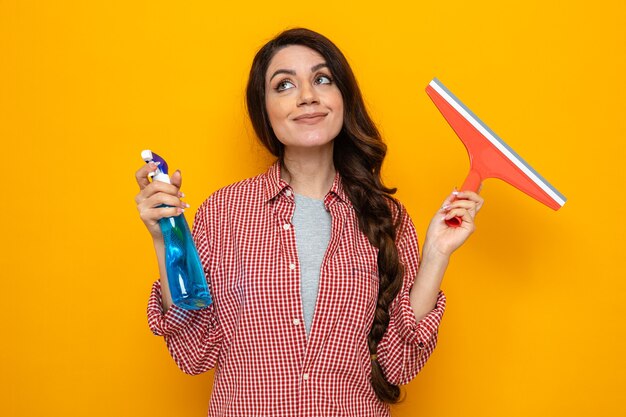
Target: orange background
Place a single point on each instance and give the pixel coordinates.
(535, 318)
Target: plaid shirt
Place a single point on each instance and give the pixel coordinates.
(254, 330)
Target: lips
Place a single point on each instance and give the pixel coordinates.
(310, 118)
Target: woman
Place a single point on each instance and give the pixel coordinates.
(319, 306)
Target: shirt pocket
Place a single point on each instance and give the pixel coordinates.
(363, 297)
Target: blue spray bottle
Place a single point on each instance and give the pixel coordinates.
(185, 275)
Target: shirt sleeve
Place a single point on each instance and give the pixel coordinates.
(193, 337)
(407, 343)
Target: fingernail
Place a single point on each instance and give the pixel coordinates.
(181, 194)
(187, 205)
(455, 192)
(445, 207)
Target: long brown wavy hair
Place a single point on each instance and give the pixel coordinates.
(358, 156)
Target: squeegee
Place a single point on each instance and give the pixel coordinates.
(489, 156)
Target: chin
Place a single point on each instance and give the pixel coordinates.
(309, 140)
(313, 142)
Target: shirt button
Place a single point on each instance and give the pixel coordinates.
(296, 322)
(305, 377)
(288, 193)
(286, 226)
(292, 266)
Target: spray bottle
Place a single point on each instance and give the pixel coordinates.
(185, 275)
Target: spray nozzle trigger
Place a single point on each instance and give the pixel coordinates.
(161, 172)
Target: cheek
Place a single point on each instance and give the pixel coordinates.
(273, 109)
(338, 109)
(277, 112)
(278, 106)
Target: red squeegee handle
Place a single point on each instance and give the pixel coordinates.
(472, 183)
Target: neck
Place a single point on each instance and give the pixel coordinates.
(310, 172)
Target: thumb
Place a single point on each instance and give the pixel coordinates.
(177, 178)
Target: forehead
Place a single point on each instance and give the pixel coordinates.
(294, 57)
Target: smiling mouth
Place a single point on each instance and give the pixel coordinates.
(310, 118)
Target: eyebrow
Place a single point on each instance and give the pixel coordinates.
(292, 72)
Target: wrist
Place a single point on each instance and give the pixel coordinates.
(434, 256)
(159, 244)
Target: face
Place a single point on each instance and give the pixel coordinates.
(303, 103)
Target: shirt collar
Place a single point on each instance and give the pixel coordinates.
(275, 185)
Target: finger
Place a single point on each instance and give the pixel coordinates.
(469, 195)
(160, 199)
(177, 178)
(141, 175)
(153, 215)
(448, 201)
(463, 214)
(159, 187)
(472, 196)
(155, 188)
(459, 212)
(464, 204)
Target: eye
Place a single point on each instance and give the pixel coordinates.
(323, 79)
(284, 85)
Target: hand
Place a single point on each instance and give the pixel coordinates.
(156, 193)
(442, 239)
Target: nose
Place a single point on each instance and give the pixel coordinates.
(308, 95)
